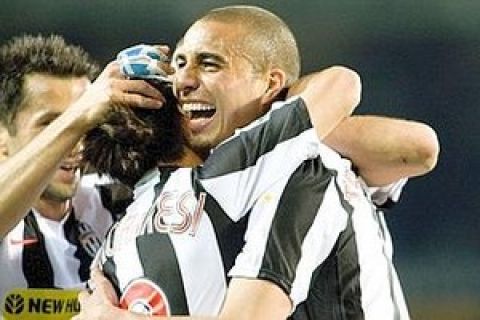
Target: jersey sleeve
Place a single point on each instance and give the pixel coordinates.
(245, 165)
(386, 197)
(292, 230)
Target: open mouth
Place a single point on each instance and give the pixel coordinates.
(71, 165)
(198, 110)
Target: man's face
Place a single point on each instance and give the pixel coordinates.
(215, 83)
(45, 98)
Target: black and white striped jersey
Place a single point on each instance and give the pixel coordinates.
(186, 229)
(356, 279)
(41, 253)
(270, 203)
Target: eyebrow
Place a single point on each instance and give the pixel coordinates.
(46, 115)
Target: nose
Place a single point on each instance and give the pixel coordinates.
(185, 81)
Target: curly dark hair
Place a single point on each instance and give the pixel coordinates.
(136, 140)
(37, 54)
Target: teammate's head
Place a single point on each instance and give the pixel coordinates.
(135, 141)
(229, 66)
(40, 77)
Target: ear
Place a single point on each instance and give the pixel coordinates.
(276, 83)
(3, 143)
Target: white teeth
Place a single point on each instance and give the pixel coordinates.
(197, 107)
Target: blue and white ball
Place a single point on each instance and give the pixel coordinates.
(142, 61)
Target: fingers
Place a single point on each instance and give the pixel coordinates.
(111, 70)
(163, 48)
(83, 296)
(136, 100)
(165, 64)
(139, 87)
(103, 286)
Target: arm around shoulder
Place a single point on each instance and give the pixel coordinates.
(384, 149)
(331, 95)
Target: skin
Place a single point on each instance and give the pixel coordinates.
(3, 143)
(46, 98)
(35, 155)
(216, 73)
(213, 71)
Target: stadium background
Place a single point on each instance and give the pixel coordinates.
(418, 60)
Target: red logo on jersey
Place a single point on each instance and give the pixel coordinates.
(177, 213)
(24, 242)
(144, 297)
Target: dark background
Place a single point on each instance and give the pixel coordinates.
(418, 60)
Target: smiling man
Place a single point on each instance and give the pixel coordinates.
(53, 244)
(246, 254)
(52, 223)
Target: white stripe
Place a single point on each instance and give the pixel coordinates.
(11, 275)
(201, 268)
(126, 256)
(203, 278)
(249, 261)
(237, 191)
(319, 241)
(374, 266)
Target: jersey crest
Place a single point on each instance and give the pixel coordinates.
(144, 297)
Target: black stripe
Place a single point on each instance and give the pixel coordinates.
(323, 300)
(159, 260)
(388, 204)
(349, 268)
(109, 267)
(243, 150)
(297, 209)
(36, 266)
(115, 197)
(229, 234)
(72, 235)
(160, 265)
(335, 291)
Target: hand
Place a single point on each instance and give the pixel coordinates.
(101, 302)
(111, 91)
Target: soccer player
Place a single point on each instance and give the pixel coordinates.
(52, 223)
(384, 151)
(170, 253)
(211, 61)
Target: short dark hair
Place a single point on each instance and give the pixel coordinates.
(136, 140)
(29, 54)
(268, 40)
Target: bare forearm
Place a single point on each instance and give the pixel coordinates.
(385, 150)
(330, 95)
(24, 175)
(247, 299)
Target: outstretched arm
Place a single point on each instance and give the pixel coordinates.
(247, 299)
(24, 175)
(385, 150)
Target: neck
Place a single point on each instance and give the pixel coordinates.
(189, 159)
(51, 209)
